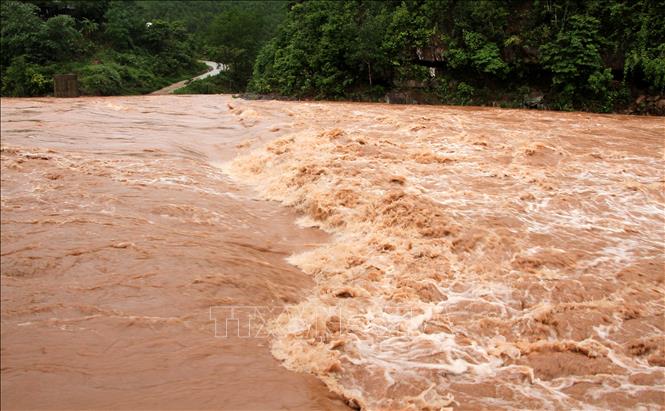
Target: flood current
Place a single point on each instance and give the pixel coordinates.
(205, 252)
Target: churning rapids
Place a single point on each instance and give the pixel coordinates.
(420, 257)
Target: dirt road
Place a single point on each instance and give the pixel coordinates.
(213, 69)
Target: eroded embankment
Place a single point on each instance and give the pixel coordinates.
(476, 261)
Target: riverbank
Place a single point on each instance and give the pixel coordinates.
(650, 105)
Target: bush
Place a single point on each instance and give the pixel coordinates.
(24, 79)
(451, 92)
(221, 83)
(484, 55)
(137, 80)
(100, 80)
(464, 93)
(61, 41)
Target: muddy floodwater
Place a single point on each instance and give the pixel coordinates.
(386, 257)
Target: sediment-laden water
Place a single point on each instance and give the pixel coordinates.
(475, 258)
(480, 258)
(119, 233)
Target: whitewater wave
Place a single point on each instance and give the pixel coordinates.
(471, 273)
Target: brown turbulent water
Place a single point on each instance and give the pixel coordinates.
(475, 258)
(119, 233)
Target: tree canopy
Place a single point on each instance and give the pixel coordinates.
(590, 54)
(113, 48)
(562, 54)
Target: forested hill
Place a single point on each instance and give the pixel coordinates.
(558, 54)
(127, 47)
(595, 55)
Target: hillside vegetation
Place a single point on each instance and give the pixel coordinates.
(108, 44)
(558, 54)
(594, 55)
(129, 47)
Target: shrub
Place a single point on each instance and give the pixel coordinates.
(100, 80)
(24, 79)
(464, 93)
(221, 83)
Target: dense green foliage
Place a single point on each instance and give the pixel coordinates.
(569, 54)
(221, 83)
(112, 48)
(238, 32)
(563, 54)
(131, 47)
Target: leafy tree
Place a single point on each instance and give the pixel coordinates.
(88, 27)
(484, 55)
(122, 25)
(368, 49)
(647, 56)
(169, 43)
(60, 39)
(575, 53)
(594, 55)
(21, 31)
(238, 32)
